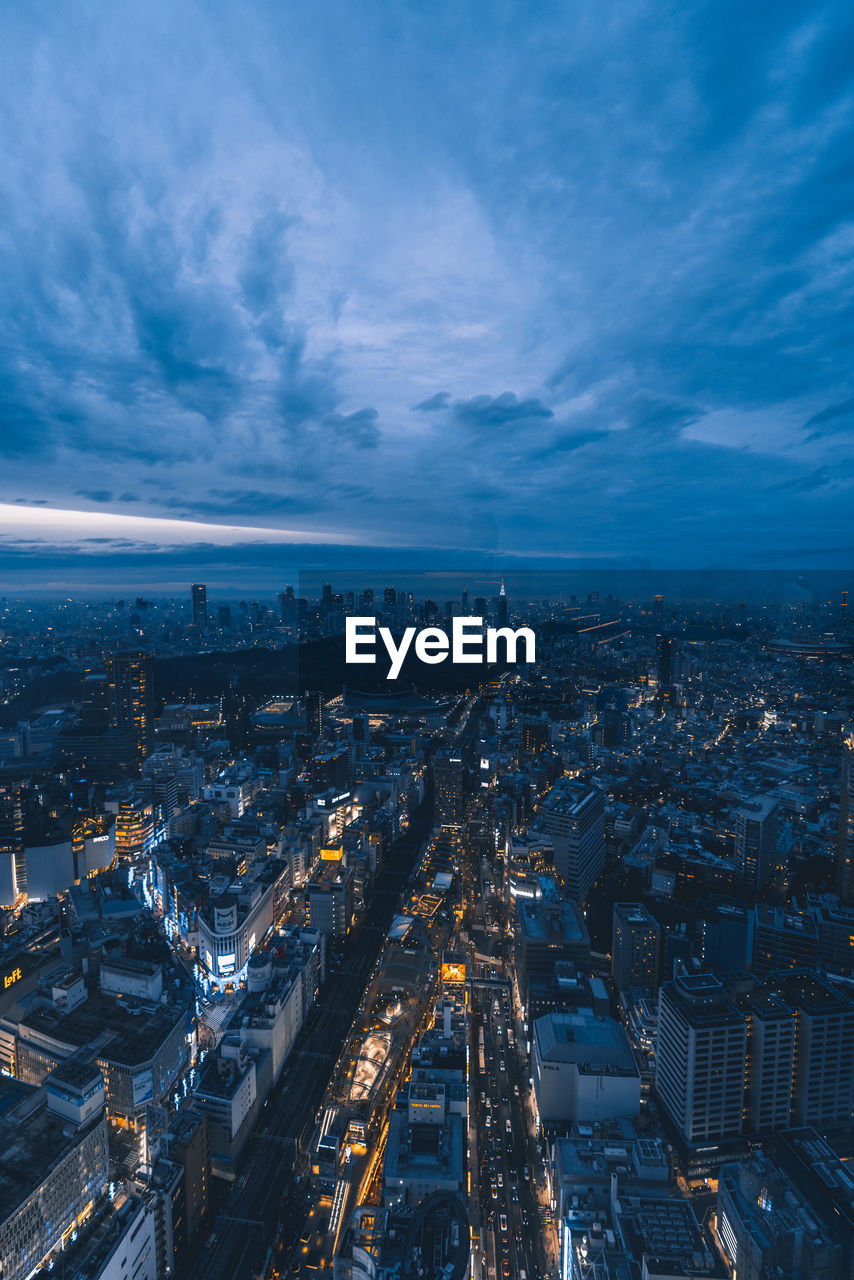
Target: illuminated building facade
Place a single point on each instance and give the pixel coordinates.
(635, 947)
(574, 816)
(130, 693)
(51, 1172)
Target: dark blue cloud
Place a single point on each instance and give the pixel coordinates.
(96, 495)
(440, 400)
(499, 413)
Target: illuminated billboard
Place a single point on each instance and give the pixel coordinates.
(454, 971)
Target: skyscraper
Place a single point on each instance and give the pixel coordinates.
(502, 606)
(664, 646)
(448, 779)
(635, 947)
(845, 834)
(771, 1060)
(756, 841)
(823, 1085)
(574, 816)
(200, 604)
(701, 1058)
(130, 692)
(313, 713)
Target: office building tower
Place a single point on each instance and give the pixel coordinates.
(448, 785)
(11, 818)
(502, 606)
(536, 736)
(573, 814)
(480, 606)
(701, 1057)
(366, 601)
(823, 1086)
(200, 604)
(130, 695)
(665, 648)
(465, 602)
(313, 713)
(756, 841)
(223, 615)
(845, 834)
(390, 600)
(329, 769)
(635, 947)
(189, 1147)
(326, 598)
(658, 606)
(771, 1060)
(287, 606)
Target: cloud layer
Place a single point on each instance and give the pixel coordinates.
(562, 281)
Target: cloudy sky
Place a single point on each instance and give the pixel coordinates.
(520, 281)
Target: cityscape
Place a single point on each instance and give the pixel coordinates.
(523, 970)
(426, 640)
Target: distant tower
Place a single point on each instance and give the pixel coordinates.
(130, 686)
(200, 604)
(843, 610)
(502, 606)
(658, 606)
(664, 650)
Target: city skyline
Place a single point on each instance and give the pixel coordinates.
(452, 288)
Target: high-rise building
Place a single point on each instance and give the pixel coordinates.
(845, 834)
(200, 604)
(448, 784)
(573, 814)
(313, 713)
(664, 647)
(635, 947)
(823, 1087)
(756, 841)
(771, 1060)
(130, 692)
(734, 1057)
(536, 736)
(658, 605)
(287, 606)
(700, 1058)
(502, 606)
(11, 818)
(189, 1147)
